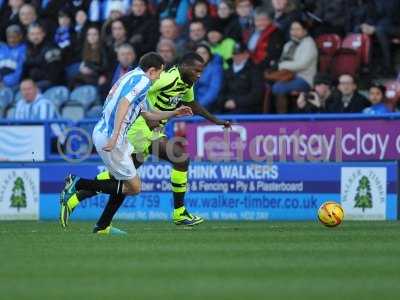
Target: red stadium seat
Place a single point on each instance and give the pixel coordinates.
(345, 61)
(361, 44)
(328, 45)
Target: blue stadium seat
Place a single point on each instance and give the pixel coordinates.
(86, 95)
(57, 94)
(73, 111)
(94, 112)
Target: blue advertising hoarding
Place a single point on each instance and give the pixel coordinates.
(237, 191)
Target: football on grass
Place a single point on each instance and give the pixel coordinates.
(330, 214)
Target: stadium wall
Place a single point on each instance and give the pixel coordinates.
(325, 157)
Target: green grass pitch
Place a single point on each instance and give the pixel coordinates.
(216, 260)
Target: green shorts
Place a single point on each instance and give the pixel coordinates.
(140, 136)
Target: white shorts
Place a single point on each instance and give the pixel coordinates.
(118, 161)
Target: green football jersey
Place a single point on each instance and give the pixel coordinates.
(169, 90)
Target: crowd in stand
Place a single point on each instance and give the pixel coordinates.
(260, 56)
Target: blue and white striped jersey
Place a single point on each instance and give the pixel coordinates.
(133, 86)
(39, 109)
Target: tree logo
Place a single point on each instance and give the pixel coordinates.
(18, 196)
(363, 197)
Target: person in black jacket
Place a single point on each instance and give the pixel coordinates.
(229, 20)
(347, 99)
(9, 15)
(142, 27)
(242, 90)
(43, 59)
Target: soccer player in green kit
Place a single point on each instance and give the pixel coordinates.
(175, 87)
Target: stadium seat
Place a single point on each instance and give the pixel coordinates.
(345, 61)
(360, 43)
(86, 95)
(94, 112)
(57, 94)
(6, 97)
(327, 45)
(73, 111)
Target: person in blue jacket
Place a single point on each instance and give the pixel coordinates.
(378, 101)
(209, 84)
(12, 57)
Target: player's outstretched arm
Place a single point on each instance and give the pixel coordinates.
(156, 115)
(122, 110)
(198, 109)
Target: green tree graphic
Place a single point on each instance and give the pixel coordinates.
(18, 197)
(363, 197)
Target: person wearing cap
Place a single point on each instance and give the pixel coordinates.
(12, 57)
(243, 85)
(379, 103)
(315, 101)
(208, 86)
(218, 44)
(266, 41)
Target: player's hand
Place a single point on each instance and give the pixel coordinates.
(183, 111)
(110, 145)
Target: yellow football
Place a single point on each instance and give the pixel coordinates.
(331, 214)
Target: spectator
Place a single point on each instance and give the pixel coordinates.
(65, 39)
(48, 11)
(333, 16)
(242, 89)
(266, 41)
(200, 12)
(142, 27)
(126, 61)
(9, 15)
(229, 20)
(174, 9)
(169, 30)
(197, 34)
(33, 106)
(94, 62)
(384, 24)
(43, 59)
(102, 10)
(209, 84)
(219, 44)
(244, 10)
(119, 36)
(116, 13)
(166, 48)
(300, 56)
(378, 101)
(27, 16)
(12, 57)
(81, 24)
(284, 14)
(315, 101)
(347, 99)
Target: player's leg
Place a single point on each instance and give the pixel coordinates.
(176, 155)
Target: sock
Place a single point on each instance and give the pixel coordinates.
(109, 211)
(107, 186)
(83, 194)
(179, 186)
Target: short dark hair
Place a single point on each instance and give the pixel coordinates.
(190, 58)
(380, 87)
(151, 60)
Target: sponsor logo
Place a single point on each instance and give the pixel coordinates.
(363, 193)
(19, 194)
